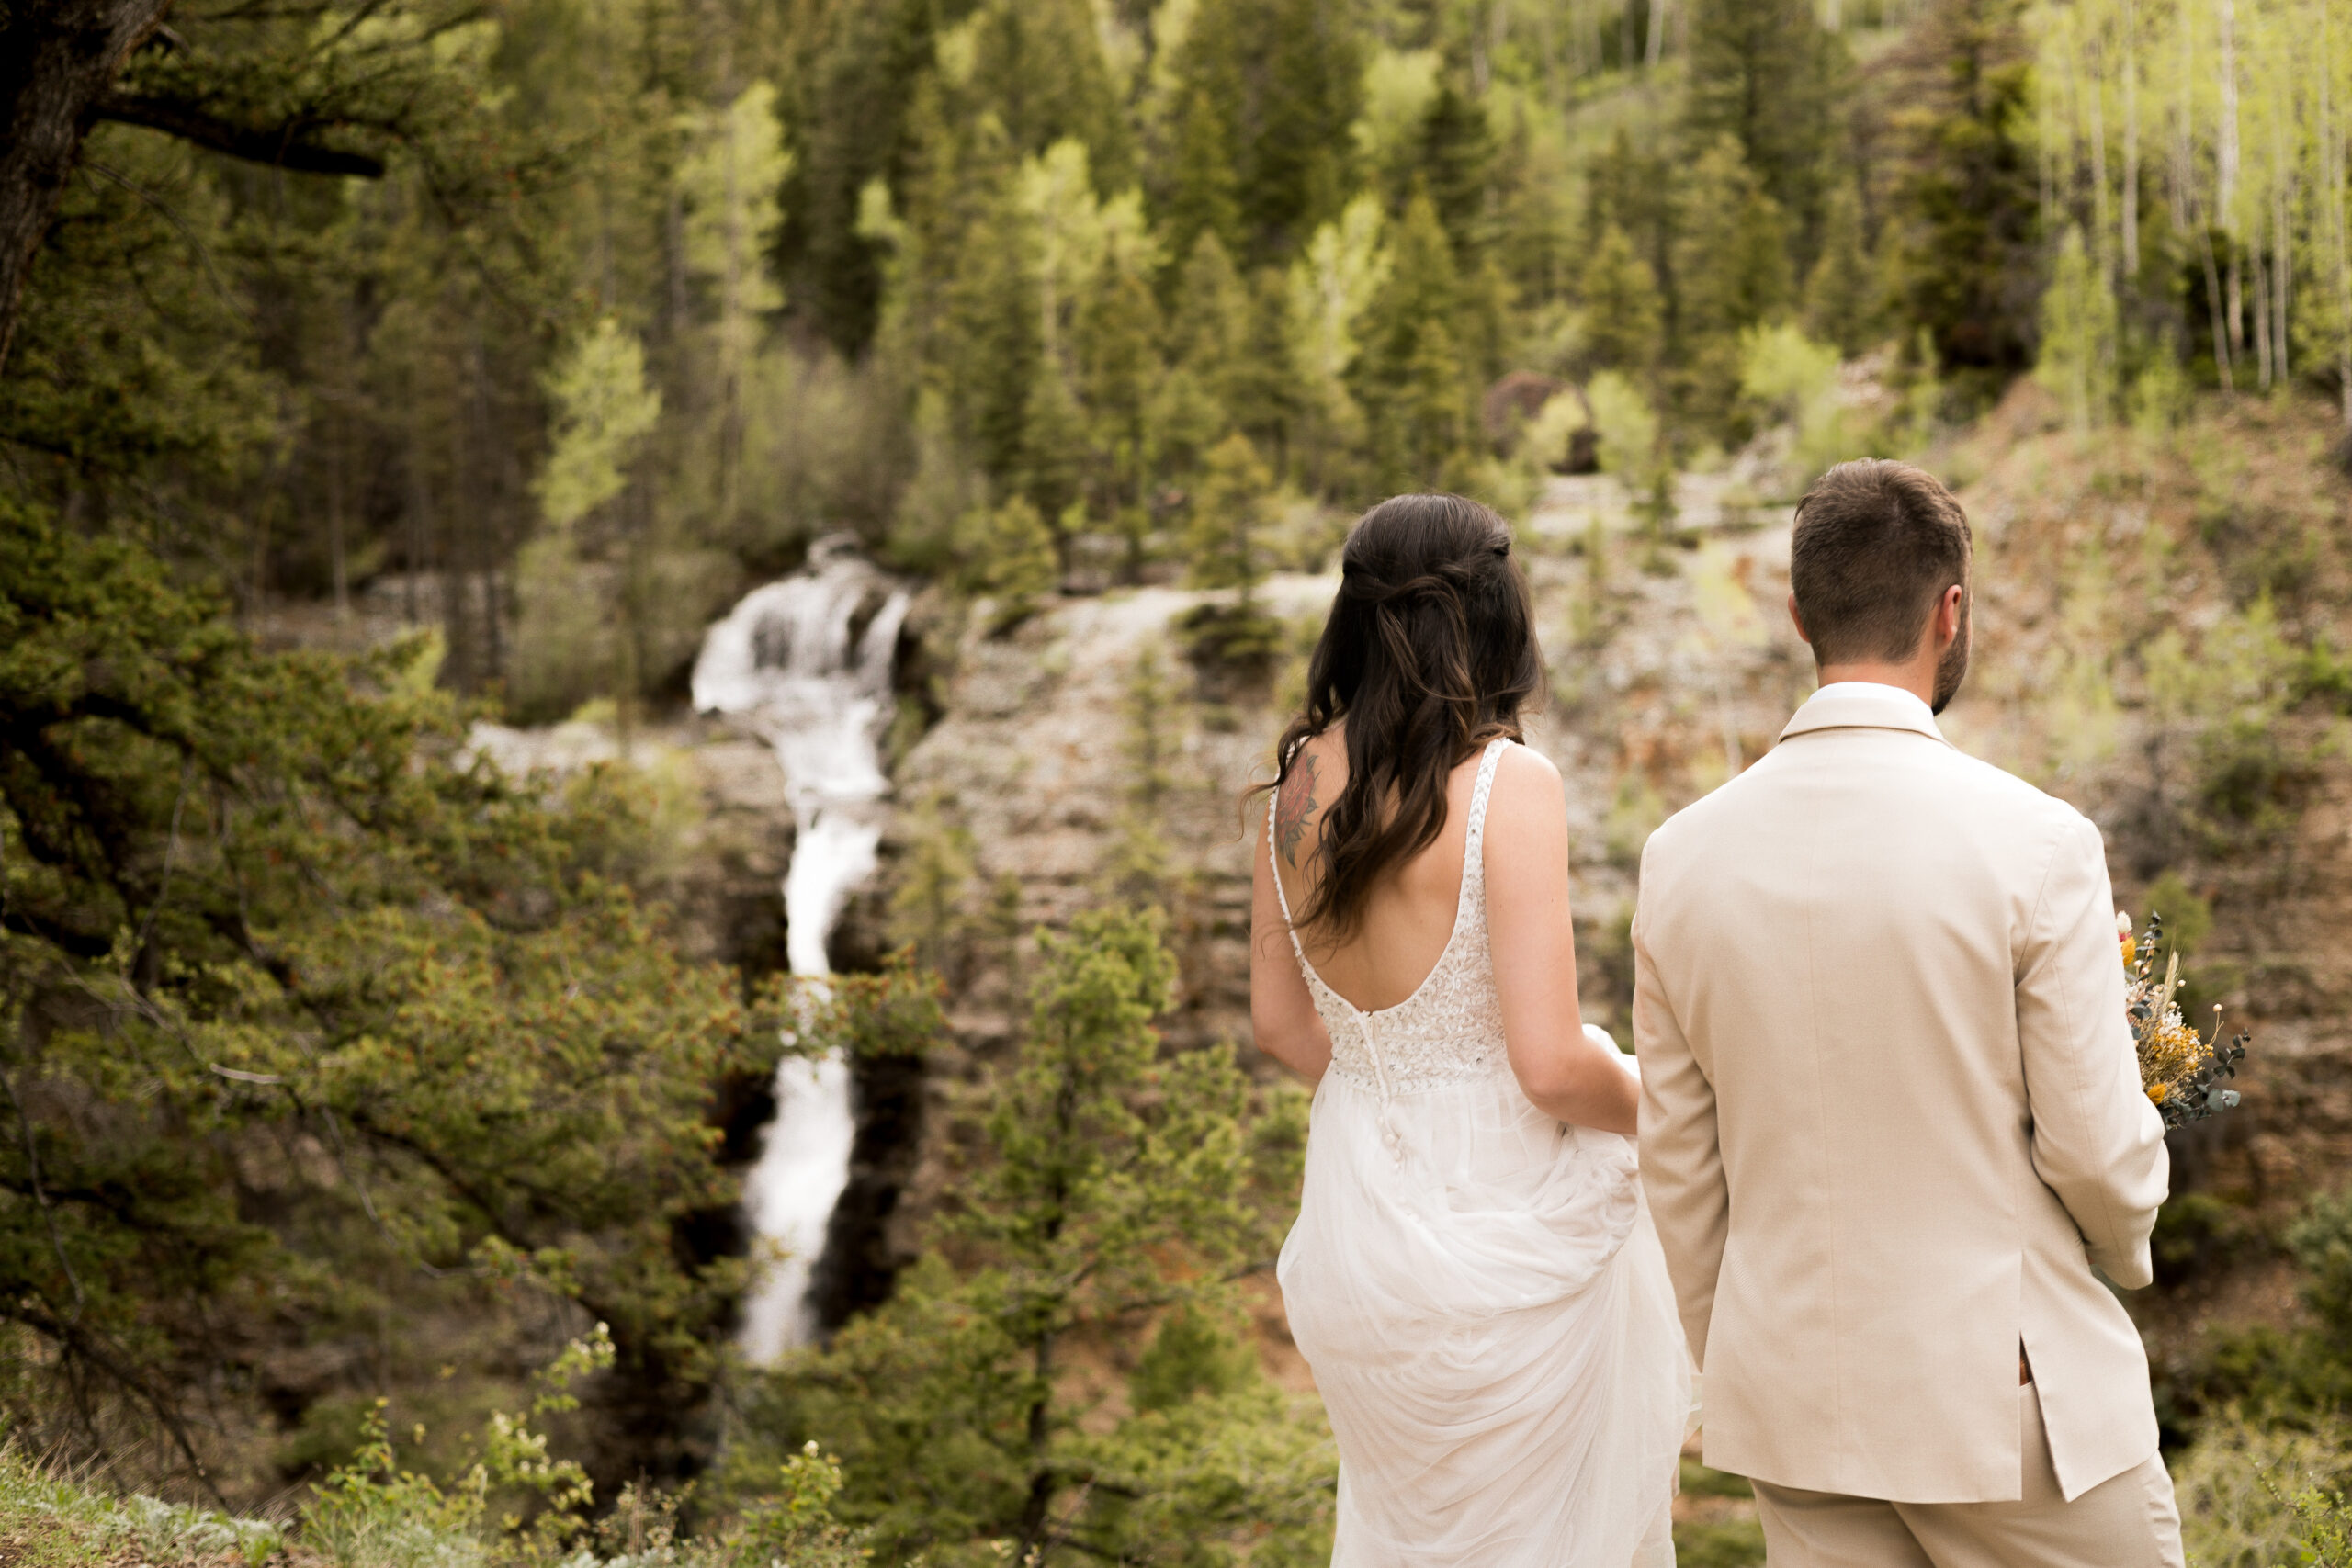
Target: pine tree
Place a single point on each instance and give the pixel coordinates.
(1732, 263)
(1117, 349)
(1113, 1188)
(1222, 539)
(1142, 871)
(1007, 553)
(1841, 303)
(1965, 215)
(1054, 448)
(1206, 387)
(1038, 65)
(1411, 378)
(1293, 176)
(1266, 390)
(931, 905)
(853, 127)
(1765, 74)
(1623, 309)
(1209, 326)
(1456, 167)
(989, 345)
(1264, 93)
(2079, 337)
(1203, 187)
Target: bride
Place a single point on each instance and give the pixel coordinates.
(1473, 1276)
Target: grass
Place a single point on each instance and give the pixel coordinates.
(47, 1522)
(1727, 1535)
(1731, 1543)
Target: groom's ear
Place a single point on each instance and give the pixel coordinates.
(1951, 613)
(1798, 620)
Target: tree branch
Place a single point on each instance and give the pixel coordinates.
(285, 146)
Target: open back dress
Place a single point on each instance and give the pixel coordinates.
(1478, 1288)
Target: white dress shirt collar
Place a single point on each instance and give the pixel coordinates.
(1909, 698)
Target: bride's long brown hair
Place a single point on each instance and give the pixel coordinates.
(1429, 654)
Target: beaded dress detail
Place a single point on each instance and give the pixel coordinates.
(1451, 1027)
(1477, 1288)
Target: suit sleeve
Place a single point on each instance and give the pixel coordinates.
(2097, 1142)
(1682, 1165)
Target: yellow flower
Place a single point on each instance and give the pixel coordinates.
(2158, 1091)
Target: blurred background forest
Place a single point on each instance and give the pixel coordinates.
(393, 392)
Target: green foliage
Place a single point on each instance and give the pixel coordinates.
(929, 905)
(1628, 429)
(1765, 74)
(1623, 307)
(48, 1522)
(798, 1528)
(305, 1016)
(1141, 872)
(2297, 1377)
(2223, 701)
(1412, 379)
(1787, 376)
(1224, 536)
(1730, 1543)
(2198, 1235)
(604, 409)
(1732, 269)
(2079, 333)
(1007, 553)
(2321, 1243)
(1841, 292)
(1113, 1187)
(2252, 1495)
(1965, 215)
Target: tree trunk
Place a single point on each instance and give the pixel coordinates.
(2130, 148)
(56, 58)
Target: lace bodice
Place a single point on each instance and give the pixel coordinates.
(1450, 1030)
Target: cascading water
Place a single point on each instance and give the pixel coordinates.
(804, 663)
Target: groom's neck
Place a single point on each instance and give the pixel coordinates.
(1916, 676)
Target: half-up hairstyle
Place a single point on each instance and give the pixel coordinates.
(1429, 653)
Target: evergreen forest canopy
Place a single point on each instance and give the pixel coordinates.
(554, 324)
(583, 316)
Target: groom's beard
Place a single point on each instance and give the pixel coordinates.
(1952, 668)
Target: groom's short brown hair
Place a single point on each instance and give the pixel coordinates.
(1876, 545)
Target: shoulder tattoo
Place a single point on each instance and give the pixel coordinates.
(1292, 808)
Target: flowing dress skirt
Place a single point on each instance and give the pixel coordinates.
(1482, 1299)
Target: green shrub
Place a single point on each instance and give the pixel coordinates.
(1727, 1543)
(2196, 1234)
(2321, 1243)
(2251, 1495)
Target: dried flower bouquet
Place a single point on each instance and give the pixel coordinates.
(2180, 1068)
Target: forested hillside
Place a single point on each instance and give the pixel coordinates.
(373, 368)
(576, 317)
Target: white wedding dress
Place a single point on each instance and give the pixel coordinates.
(1478, 1291)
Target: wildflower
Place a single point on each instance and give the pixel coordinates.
(2179, 1068)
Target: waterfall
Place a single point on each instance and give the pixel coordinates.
(805, 665)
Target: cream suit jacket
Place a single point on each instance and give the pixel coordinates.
(1891, 1116)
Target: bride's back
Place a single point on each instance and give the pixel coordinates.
(1408, 912)
(1429, 655)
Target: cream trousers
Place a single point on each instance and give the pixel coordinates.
(2126, 1521)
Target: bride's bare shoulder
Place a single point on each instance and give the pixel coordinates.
(1527, 789)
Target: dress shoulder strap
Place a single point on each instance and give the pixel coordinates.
(1474, 841)
(1273, 804)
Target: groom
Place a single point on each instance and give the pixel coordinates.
(1891, 1118)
